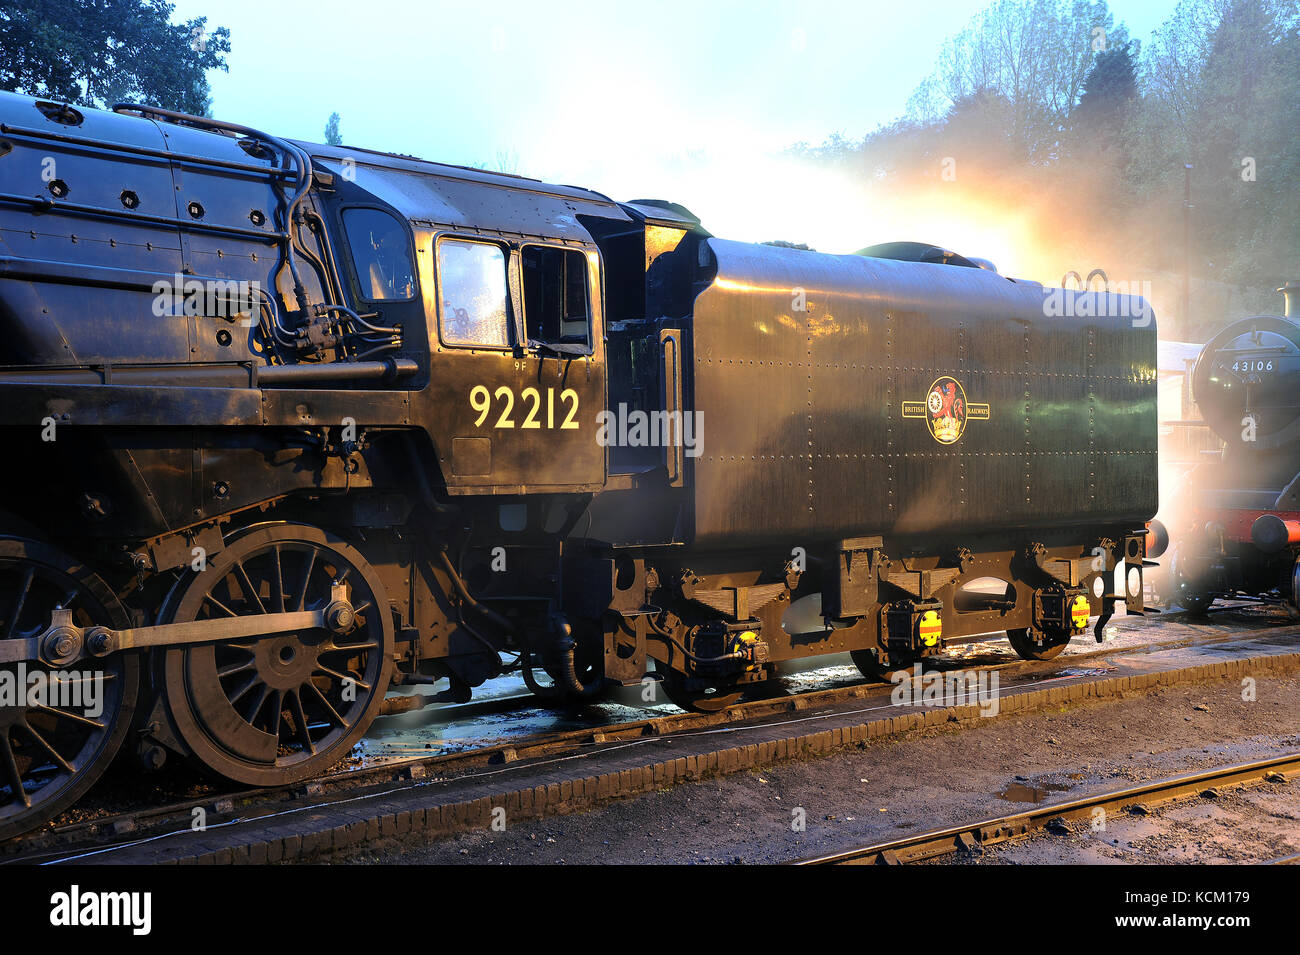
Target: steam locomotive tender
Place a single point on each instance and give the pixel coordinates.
(291, 424)
(1237, 531)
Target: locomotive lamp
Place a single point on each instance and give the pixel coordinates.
(1080, 612)
(929, 628)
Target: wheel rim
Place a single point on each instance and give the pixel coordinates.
(1030, 643)
(707, 700)
(871, 668)
(53, 751)
(1186, 593)
(291, 705)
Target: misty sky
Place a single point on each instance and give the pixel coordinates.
(671, 100)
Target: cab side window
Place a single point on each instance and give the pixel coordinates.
(556, 306)
(472, 294)
(381, 252)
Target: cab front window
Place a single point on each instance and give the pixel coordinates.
(381, 252)
(472, 294)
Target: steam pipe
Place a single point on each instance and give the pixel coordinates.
(568, 666)
(300, 158)
(567, 646)
(669, 638)
(213, 376)
(553, 692)
(467, 598)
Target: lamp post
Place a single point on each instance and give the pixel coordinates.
(1187, 248)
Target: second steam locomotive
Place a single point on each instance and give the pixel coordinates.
(291, 424)
(1236, 522)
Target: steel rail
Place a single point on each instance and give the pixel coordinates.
(940, 842)
(546, 744)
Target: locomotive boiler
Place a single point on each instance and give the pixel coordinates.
(1237, 524)
(292, 424)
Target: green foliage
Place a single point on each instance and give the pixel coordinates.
(1110, 87)
(1224, 93)
(332, 136)
(1032, 54)
(99, 52)
(1086, 142)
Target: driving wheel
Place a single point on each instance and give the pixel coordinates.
(279, 708)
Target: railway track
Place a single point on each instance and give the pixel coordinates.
(987, 832)
(109, 831)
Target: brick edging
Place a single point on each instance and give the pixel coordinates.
(557, 798)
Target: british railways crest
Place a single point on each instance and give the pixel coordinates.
(946, 410)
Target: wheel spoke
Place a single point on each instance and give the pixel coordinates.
(247, 585)
(11, 770)
(208, 598)
(251, 682)
(334, 714)
(274, 728)
(53, 753)
(104, 675)
(361, 684)
(28, 577)
(257, 707)
(306, 580)
(232, 668)
(279, 578)
(65, 715)
(300, 718)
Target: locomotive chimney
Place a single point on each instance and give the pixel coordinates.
(1291, 295)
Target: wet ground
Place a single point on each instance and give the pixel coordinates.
(946, 776)
(503, 709)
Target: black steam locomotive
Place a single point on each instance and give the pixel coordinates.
(290, 424)
(1237, 523)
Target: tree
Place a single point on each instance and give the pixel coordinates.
(1033, 54)
(1111, 85)
(507, 161)
(98, 52)
(1220, 81)
(1043, 122)
(332, 136)
(785, 244)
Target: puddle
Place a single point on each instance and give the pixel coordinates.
(1019, 792)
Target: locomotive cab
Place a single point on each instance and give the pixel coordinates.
(507, 286)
